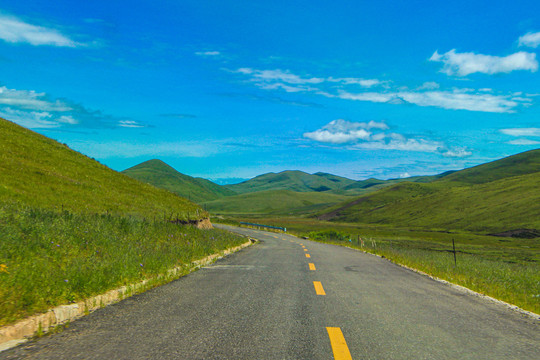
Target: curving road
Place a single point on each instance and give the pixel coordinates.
(288, 298)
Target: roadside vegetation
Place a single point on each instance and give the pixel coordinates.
(71, 228)
(505, 268)
(49, 258)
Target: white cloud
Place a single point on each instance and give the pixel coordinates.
(530, 39)
(523, 142)
(521, 131)
(372, 136)
(342, 131)
(278, 75)
(404, 175)
(456, 152)
(463, 64)
(67, 119)
(429, 85)
(483, 100)
(455, 100)
(367, 83)
(14, 30)
(31, 100)
(29, 119)
(208, 53)
(129, 124)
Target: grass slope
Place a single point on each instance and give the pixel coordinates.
(498, 196)
(274, 202)
(41, 172)
(298, 181)
(159, 174)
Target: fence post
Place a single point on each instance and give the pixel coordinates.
(454, 247)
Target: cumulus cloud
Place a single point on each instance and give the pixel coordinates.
(530, 40)
(14, 30)
(463, 64)
(373, 136)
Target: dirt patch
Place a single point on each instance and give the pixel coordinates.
(199, 224)
(519, 233)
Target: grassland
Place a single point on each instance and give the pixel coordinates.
(502, 267)
(161, 175)
(496, 199)
(38, 171)
(49, 258)
(71, 228)
(282, 202)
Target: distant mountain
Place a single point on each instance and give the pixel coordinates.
(499, 196)
(298, 181)
(159, 174)
(40, 172)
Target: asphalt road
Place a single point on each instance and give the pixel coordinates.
(268, 302)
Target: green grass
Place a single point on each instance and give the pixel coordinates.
(161, 175)
(41, 172)
(496, 206)
(49, 258)
(274, 202)
(504, 268)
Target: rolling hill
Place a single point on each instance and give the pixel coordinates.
(40, 172)
(159, 174)
(494, 197)
(298, 181)
(274, 202)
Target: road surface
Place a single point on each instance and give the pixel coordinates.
(288, 298)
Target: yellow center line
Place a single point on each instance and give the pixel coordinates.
(311, 266)
(308, 256)
(339, 345)
(318, 288)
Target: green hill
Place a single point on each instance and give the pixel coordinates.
(520, 164)
(38, 171)
(298, 181)
(494, 197)
(159, 174)
(275, 202)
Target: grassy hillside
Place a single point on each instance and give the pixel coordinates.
(298, 181)
(40, 172)
(282, 202)
(71, 228)
(159, 174)
(520, 164)
(493, 197)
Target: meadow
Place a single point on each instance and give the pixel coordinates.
(49, 258)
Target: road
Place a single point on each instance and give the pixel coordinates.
(288, 298)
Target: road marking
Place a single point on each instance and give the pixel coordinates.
(318, 288)
(311, 266)
(308, 256)
(305, 249)
(339, 345)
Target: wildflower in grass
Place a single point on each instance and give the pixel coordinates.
(141, 265)
(66, 280)
(3, 268)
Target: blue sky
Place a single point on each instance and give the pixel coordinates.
(231, 89)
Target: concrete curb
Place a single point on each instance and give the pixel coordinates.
(21, 331)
